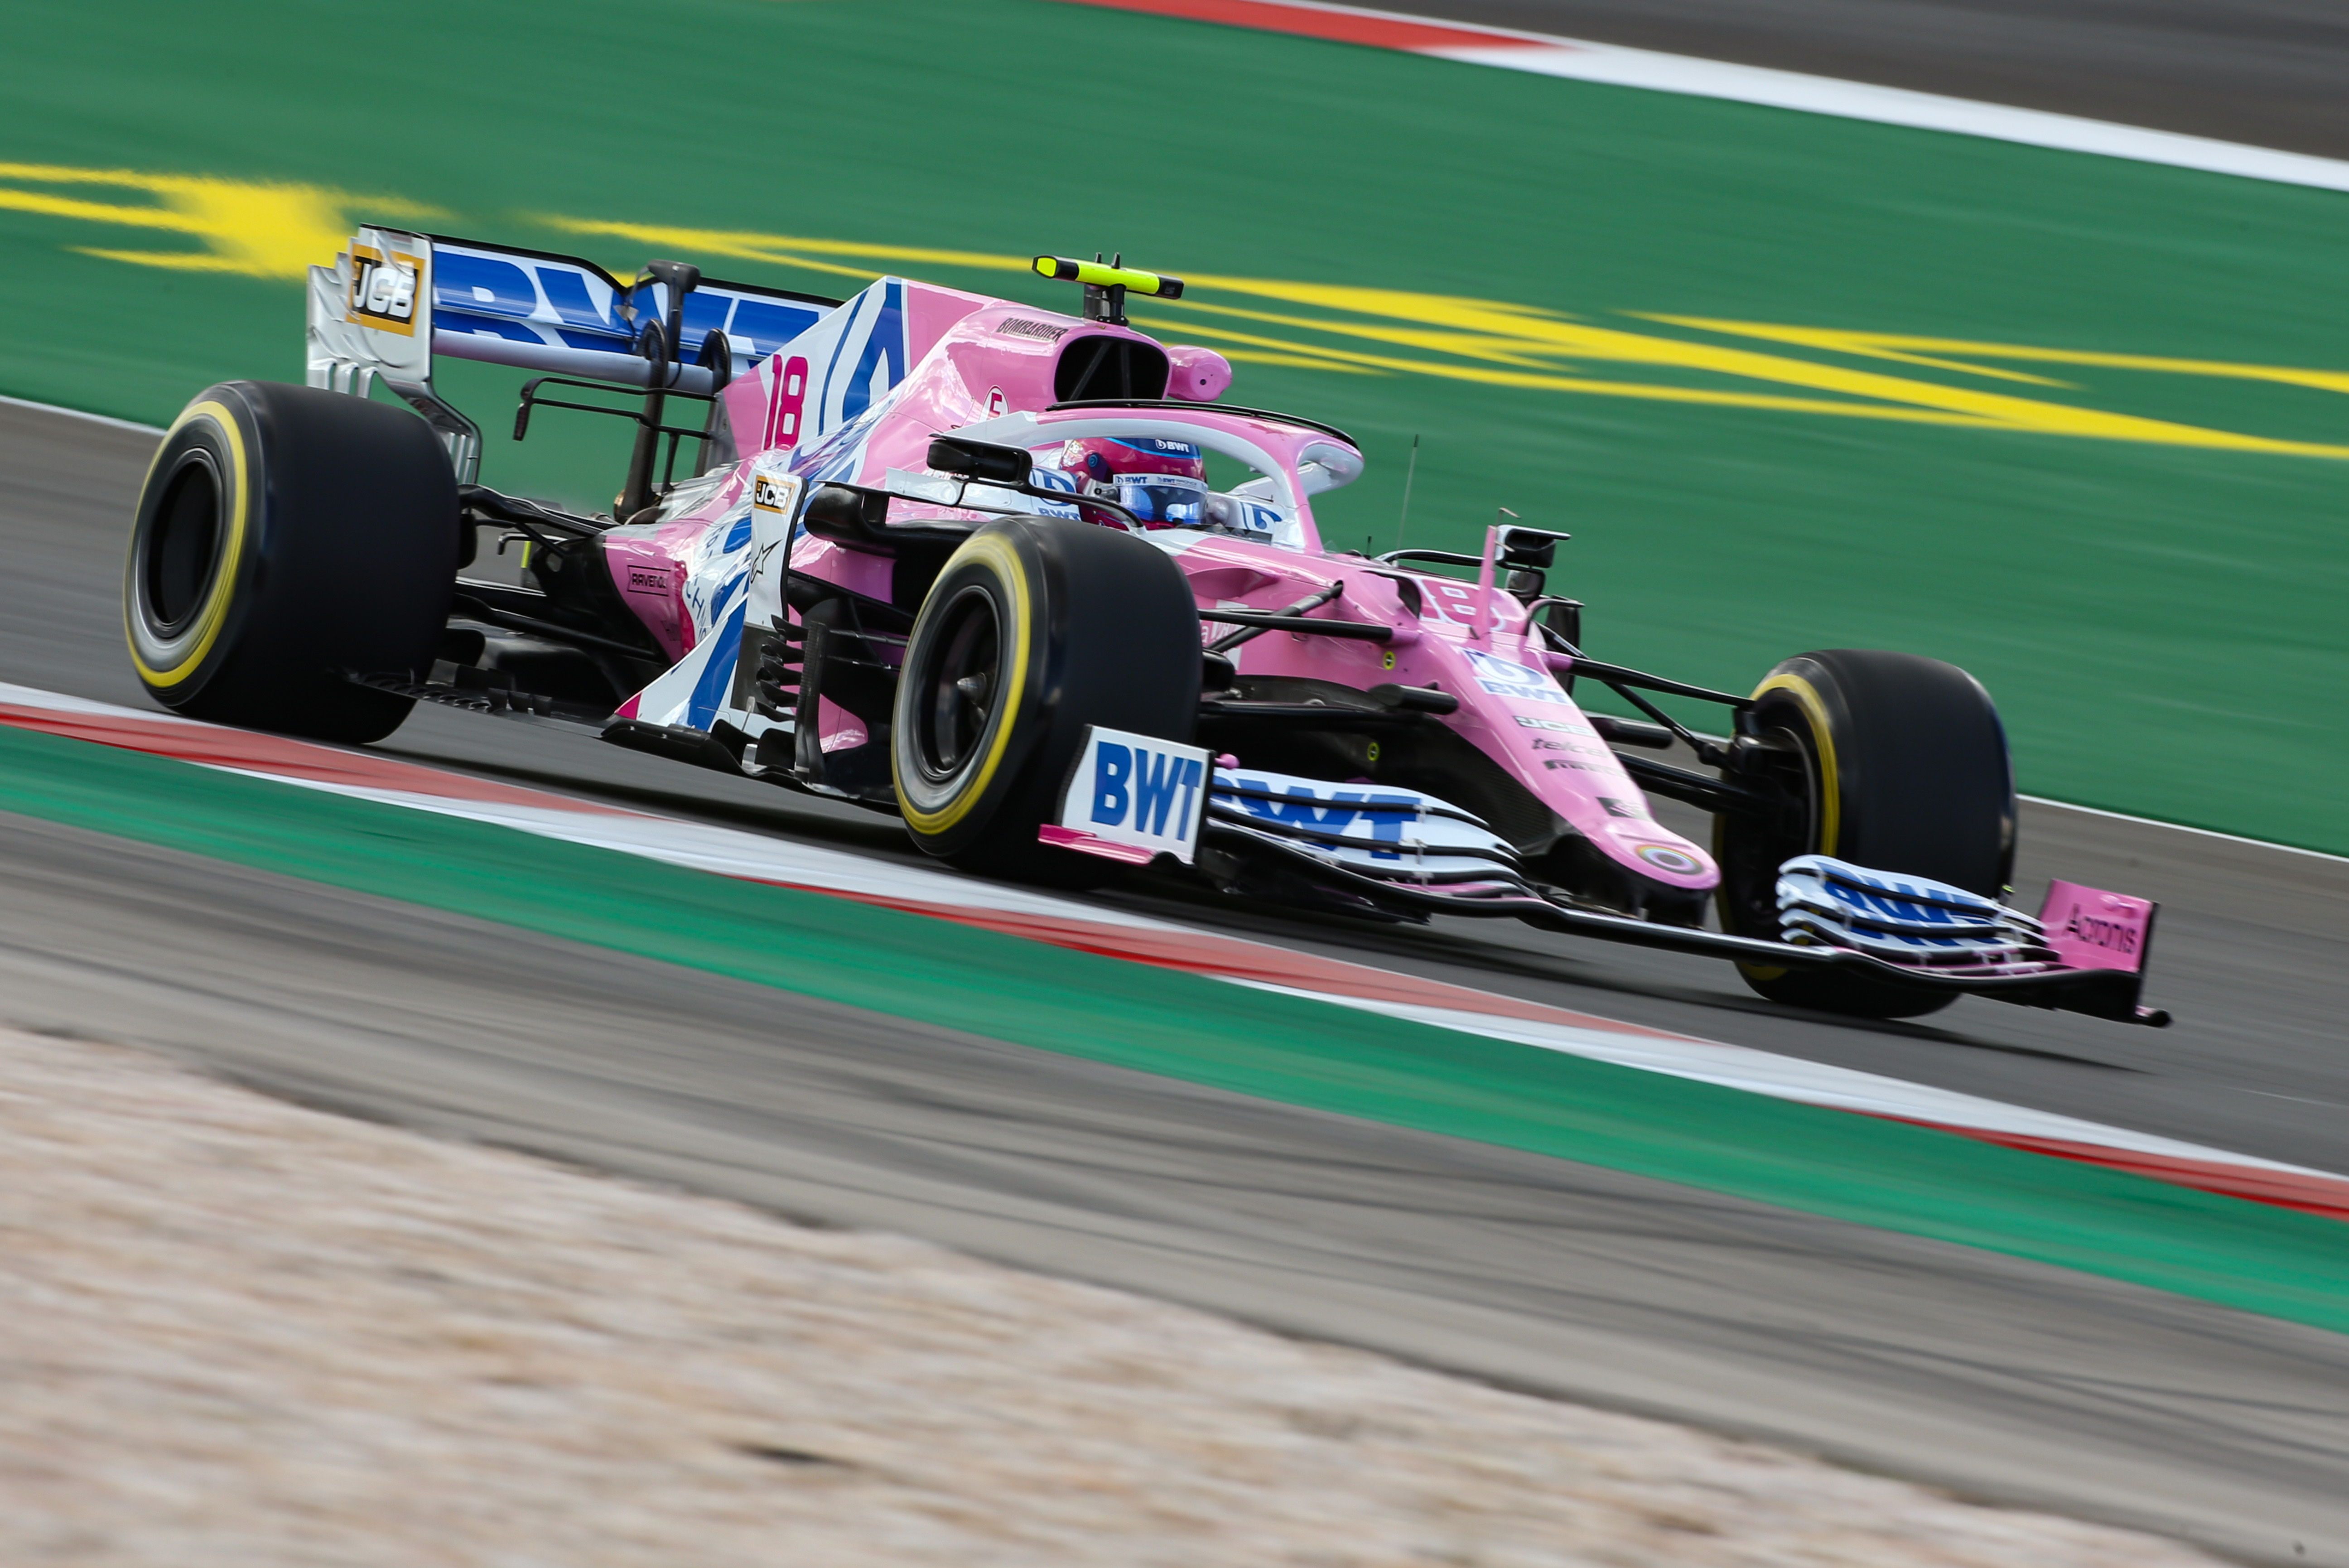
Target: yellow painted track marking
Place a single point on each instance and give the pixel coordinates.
(1510, 345)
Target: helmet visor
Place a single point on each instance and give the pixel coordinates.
(1164, 500)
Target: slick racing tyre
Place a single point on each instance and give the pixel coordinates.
(1886, 760)
(1037, 628)
(286, 536)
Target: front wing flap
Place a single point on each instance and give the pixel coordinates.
(1403, 853)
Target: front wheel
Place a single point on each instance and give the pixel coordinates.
(1036, 628)
(1886, 760)
(288, 536)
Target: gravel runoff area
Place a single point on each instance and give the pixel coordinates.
(239, 1332)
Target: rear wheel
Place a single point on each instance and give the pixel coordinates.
(1037, 628)
(1885, 759)
(286, 536)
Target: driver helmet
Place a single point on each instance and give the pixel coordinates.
(1160, 481)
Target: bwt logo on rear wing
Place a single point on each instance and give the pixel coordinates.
(552, 307)
(395, 299)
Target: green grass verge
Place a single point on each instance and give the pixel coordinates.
(1298, 1051)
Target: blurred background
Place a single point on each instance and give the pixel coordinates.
(1793, 378)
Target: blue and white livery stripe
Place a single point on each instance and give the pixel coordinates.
(1394, 834)
(1825, 902)
(564, 302)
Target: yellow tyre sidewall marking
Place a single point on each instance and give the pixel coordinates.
(997, 552)
(1815, 712)
(215, 615)
(1806, 696)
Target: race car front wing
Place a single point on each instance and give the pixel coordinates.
(1397, 853)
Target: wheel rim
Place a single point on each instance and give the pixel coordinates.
(182, 551)
(958, 686)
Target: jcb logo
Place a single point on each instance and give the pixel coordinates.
(383, 290)
(769, 493)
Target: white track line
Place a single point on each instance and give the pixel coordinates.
(1612, 65)
(1812, 1083)
(2196, 832)
(733, 852)
(79, 414)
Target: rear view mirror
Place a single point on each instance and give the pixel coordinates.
(1529, 546)
(982, 461)
(845, 512)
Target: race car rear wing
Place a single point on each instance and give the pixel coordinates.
(394, 300)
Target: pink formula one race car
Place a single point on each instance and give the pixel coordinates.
(1024, 579)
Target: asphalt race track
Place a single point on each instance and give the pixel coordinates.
(2266, 72)
(2001, 1377)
